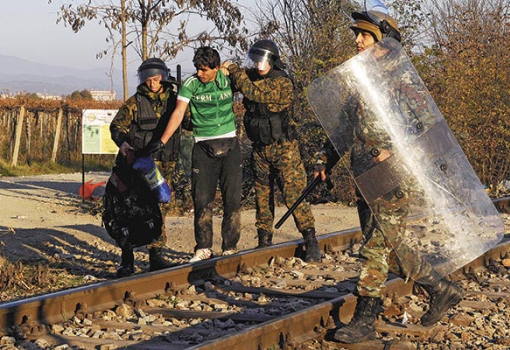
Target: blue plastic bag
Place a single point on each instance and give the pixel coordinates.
(154, 179)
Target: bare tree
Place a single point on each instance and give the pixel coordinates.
(311, 35)
(157, 27)
(314, 35)
(412, 18)
(123, 41)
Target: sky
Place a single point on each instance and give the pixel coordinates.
(29, 31)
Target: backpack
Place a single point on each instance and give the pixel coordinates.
(131, 213)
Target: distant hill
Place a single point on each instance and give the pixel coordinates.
(17, 74)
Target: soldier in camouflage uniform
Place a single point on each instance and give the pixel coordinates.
(382, 225)
(268, 95)
(140, 120)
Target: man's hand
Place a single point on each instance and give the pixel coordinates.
(224, 67)
(320, 169)
(124, 148)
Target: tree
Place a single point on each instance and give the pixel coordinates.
(81, 95)
(412, 19)
(469, 76)
(146, 25)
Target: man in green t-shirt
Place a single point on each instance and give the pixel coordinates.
(216, 154)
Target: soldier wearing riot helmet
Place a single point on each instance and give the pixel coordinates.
(141, 120)
(267, 96)
(264, 53)
(377, 23)
(384, 221)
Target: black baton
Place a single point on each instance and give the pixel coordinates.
(305, 193)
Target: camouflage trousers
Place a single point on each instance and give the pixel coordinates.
(382, 250)
(280, 161)
(167, 170)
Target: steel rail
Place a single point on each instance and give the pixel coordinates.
(60, 306)
(307, 324)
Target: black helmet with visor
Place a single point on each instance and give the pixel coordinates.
(263, 51)
(152, 67)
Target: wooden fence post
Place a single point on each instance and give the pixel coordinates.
(57, 135)
(17, 140)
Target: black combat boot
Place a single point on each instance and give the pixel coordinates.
(156, 260)
(361, 327)
(265, 239)
(313, 252)
(443, 294)
(127, 264)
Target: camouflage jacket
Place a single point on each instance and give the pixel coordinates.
(276, 93)
(267, 100)
(127, 116)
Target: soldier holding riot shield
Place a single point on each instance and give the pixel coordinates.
(403, 158)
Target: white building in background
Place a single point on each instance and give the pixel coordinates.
(49, 97)
(103, 95)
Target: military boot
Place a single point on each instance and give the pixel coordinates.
(361, 327)
(127, 263)
(265, 239)
(444, 295)
(313, 252)
(156, 260)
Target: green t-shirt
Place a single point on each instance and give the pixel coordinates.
(210, 105)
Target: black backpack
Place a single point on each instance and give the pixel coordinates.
(131, 214)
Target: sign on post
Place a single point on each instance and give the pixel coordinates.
(96, 137)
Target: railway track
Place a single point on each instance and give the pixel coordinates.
(257, 299)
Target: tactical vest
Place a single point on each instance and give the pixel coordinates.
(150, 128)
(264, 127)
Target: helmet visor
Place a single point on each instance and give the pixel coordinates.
(151, 72)
(258, 58)
(368, 5)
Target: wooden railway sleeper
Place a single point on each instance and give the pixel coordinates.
(81, 311)
(132, 300)
(286, 341)
(171, 288)
(30, 328)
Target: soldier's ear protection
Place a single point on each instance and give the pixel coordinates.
(384, 26)
(388, 31)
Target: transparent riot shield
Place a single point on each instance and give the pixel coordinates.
(376, 102)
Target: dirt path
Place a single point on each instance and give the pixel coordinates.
(42, 218)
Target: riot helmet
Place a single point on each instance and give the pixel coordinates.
(262, 53)
(377, 23)
(152, 67)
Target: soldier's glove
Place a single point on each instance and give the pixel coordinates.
(151, 148)
(154, 147)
